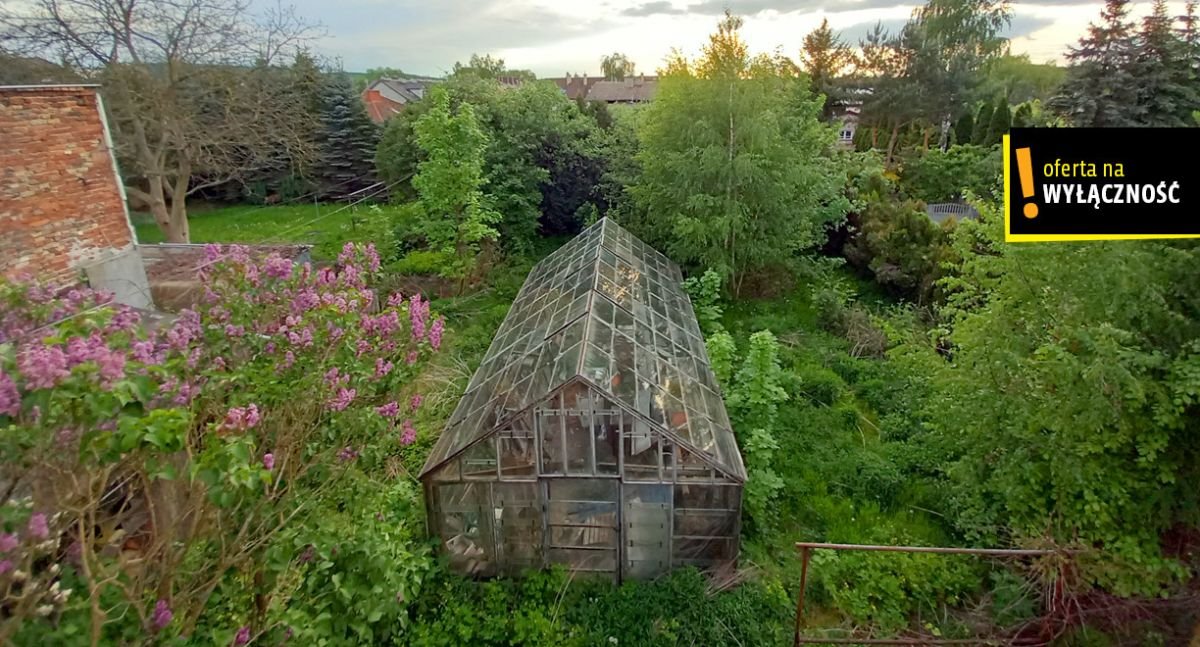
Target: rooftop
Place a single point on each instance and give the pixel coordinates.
(609, 311)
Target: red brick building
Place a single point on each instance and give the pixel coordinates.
(62, 205)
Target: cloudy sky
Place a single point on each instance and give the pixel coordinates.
(553, 37)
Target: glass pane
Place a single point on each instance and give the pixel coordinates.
(605, 431)
(641, 452)
(517, 447)
(479, 461)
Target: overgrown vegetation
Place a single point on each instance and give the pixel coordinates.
(913, 383)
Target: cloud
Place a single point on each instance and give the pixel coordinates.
(1025, 24)
(661, 7)
(854, 33)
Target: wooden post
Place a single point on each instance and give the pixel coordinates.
(804, 554)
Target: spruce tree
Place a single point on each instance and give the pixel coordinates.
(983, 119)
(964, 128)
(1163, 68)
(999, 124)
(346, 143)
(1101, 89)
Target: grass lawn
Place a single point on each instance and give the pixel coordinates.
(255, 224)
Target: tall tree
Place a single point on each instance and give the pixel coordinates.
(1100, 89)
(964, 128)
(983, 120)
(732, 172)
(1167, 81)
(347, 141)
(617, 66)
(454, 213)
(193, 92)
(999, 124)
(826, 59)
(489, 67)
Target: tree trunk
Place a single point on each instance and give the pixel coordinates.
(177, 230)
(891, 149)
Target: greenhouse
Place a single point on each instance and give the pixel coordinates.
(593, 433)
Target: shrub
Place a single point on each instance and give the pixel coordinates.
(154, 470)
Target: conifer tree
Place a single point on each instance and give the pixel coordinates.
(983, 119)
(1101, 89)
(999, 124)
(347, 142)
(964, 128)
(1163, 68)
(825, 58)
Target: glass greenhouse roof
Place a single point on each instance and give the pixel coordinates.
(609, 310)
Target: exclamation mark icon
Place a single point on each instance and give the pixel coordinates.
(1025, 171)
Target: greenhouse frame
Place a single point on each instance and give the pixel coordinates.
(593, 434)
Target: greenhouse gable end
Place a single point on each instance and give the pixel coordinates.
(593, 433)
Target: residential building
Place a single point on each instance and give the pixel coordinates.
(63, 215)
(387, 97)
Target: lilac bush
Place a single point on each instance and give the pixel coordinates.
(147, 462)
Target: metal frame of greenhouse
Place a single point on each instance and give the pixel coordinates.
(593, 433)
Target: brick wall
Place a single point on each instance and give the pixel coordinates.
(60, 205)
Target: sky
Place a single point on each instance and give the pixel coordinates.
(556, 37)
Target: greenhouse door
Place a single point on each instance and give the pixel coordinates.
(582, 525)
(646, 522)
(517, 524)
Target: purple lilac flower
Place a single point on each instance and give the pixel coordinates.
(389, 410)
(83, 349)
(43, 367)
(412, 358)
(8, 542)
(415, 402)
(326, 276)
(343, 399)
(347, 454)
(10, 399)
(396, 299)
(268, 461)
(242, 637)
(112, 365)
(305, 300)
(38, 528)
(218, 363)
(252, 416)
(5, 566)
(124, 320)
(361, 347)
(435, 333)
(418, 315)
(234, 331)
(302, 338)
(212, 252)
(239, 254)
(347, 255)
(382, 367)
(143, 351)
(350, 276)
(242, 418)
(408, 433)
(372, 258)
(288, 359)
(308, 554)
(277, 267)
(162, 615)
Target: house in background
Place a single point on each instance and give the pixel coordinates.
(634, 89)
(847, 114)
(63, 215)
(387, 97)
